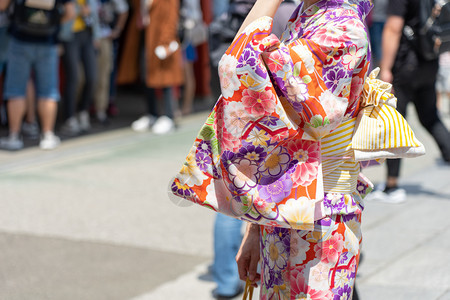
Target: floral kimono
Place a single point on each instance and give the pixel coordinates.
(277, 148)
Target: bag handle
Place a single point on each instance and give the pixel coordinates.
(248, 291)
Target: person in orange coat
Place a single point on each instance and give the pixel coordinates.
(163, 63)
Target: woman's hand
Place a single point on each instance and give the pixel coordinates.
(248, 255)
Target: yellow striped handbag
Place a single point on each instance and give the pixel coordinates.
(381, 131)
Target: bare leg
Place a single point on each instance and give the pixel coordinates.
(392, 181)
(189, 88)
(16, 112)
(30, 115)
(47, 109)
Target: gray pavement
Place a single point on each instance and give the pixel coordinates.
(92, 221)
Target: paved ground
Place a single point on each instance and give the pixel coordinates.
(92, 221)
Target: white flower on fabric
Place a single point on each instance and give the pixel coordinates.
(306, 57)
(211, 193)
(299, 247)
(298, 212)
(352, 236)
(358, 32)
(317, 271)
(276, 251)
(334, 107)
(229, 81)
(297, 91)
(236, 118)
(243, 174)
(190, 173)
(341, 278)
(334, 197)
(258, 137)
(352, 58)
(261, 24)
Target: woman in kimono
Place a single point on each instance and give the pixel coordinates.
(318, 69)
(283, 145)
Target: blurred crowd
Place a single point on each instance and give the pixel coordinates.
(61, 61)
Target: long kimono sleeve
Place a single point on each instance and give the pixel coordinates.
(316, 78)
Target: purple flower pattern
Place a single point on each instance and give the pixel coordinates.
(343, 293)
(203, 161)
(251, 152)
(277, 190)
(333, 77)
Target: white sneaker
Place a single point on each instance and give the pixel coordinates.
(12, 142)
(163, 125)
(84, 119)
(71, 127)
(394, 196)
(49, 141)
(143, 123)
(101, 116)
(30, 130)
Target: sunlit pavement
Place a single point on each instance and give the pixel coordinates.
(92, 220)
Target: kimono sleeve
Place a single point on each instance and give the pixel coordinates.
(316, 78)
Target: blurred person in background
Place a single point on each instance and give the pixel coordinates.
(34, 50)
(378, 19)
(220, 7)
(30, 128)
(4, 39)
(443, 82)
(413, 79)
(193, 32)
(79, 49)
(112, 15)
(163, 64)
(112, 109)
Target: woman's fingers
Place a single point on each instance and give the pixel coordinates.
(242, 266)
(248, 255)
(253, 265)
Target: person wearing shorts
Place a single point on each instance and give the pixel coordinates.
(30, 54)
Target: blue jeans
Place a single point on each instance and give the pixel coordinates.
(79, 50)
(220, 7)
(23, 57)
(227, 239)
(4, 39)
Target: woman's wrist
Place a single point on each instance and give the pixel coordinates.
(253, 227)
